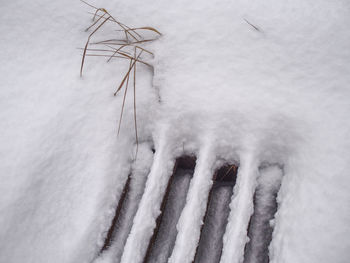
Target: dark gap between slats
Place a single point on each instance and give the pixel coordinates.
(164, 235)
(124, 214)
(111, 230)
(210, 244)
(259, 228)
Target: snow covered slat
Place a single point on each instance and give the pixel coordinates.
(241, 208)
(261, 223)
(163, 239)
(190, 221)
(149, 207)
(210, 244)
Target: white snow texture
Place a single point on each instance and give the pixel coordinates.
(255, 83)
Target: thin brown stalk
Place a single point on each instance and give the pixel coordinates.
(137, 138)
(146, 28)
(108, 40)
(124, 57)
(88, 4)
(95, 22)
(147, 51)
(97, 55)
(98, 49)
(126, 45)
(126, 75)
(110, 18)
(93, 14)
(124, 42)
(129, 45)
(126, 54)
(116, 51)
(86, 45)
(122, 110)
(125, 28)
(99, 9)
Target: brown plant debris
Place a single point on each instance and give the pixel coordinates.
(129, 47)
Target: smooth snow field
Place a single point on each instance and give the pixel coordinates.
(264, 85)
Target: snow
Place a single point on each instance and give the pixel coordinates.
(220, 89)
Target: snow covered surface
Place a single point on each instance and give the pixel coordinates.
(221, 89)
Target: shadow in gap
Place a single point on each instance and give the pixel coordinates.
(126, 209)
(164, 235)
(265, 206)
(211, 239)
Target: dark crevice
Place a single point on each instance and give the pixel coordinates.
(125, 211)
(121, 202)
(259, 228)
(163, 239)
(210, 244)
